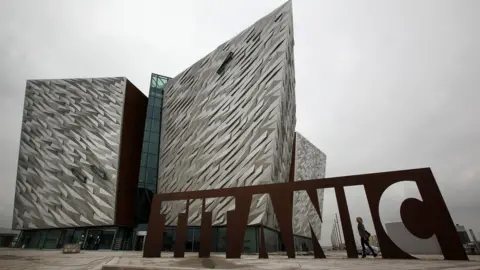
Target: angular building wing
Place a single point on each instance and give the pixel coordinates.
(229, 119)
(79, 153)
(310, 164)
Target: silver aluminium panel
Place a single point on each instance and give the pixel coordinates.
(69, 151)
(310, 164)
(229, 119)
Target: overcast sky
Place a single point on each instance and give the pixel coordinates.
(380, 85)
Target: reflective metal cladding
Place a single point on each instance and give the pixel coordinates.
(69, 158)
(229, 120)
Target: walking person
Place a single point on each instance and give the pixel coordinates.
(89, 242)
(97, 243)
(364, 235)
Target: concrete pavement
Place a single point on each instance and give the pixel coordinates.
(22, 259)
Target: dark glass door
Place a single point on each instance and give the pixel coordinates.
(139, 242)
(106, 239)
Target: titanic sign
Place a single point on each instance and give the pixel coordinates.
(423, 219)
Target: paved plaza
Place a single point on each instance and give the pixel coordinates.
(115, 260)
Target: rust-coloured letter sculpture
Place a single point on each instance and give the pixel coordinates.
(422, 218)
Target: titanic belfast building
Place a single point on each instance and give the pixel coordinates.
(94, 152)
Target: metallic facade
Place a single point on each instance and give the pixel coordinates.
(310, 163)
(229, 120)
(69, 153)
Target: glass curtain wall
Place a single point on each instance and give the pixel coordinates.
(147, 182)
(219, 239)
(57, 238)
(151, 139)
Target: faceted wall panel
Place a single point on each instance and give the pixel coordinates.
(69, 153)
(229, 119)
(310, 164)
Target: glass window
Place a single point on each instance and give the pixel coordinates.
(271, 240)
(145, 147)
(160, 83)
(149, 111)
(148, 124)
(106, 239)
(152, 187)
(38, 239)
(142, 173)
(158, 103)
(152, 161)
(192, 244)
(250, 240)
(146, 136)
(157, 113)
(221, 239)
(155, 126)
(214, 239)
(143, 161)
(69, 236)
(151, 174)
(154, 137)
(154, 81)
(51, 239)
(29, 239)
(309, 244)
(189, 240)
(168, 239)
(153, 148)
(79, 237)
(150, 100)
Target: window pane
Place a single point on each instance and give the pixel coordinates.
(158, 102)
(154, 138)
(154, 81)
(146, 136)
(68, 239)
(150, 99)
(221, 239)
(271, 238)
(157, 112)
(152, 161)
(160, 83)
(145, 147)
(156, 126)
(153, 148)
(151, 175)
(148, 124)
(143, 160)
(149, 111)
(51, 239)
(142, 174)
(214, 239)
(152, 188)
(168, 239)
(106, 239)
(250, 240)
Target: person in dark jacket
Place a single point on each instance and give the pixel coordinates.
(364, 235)
(97, 243)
